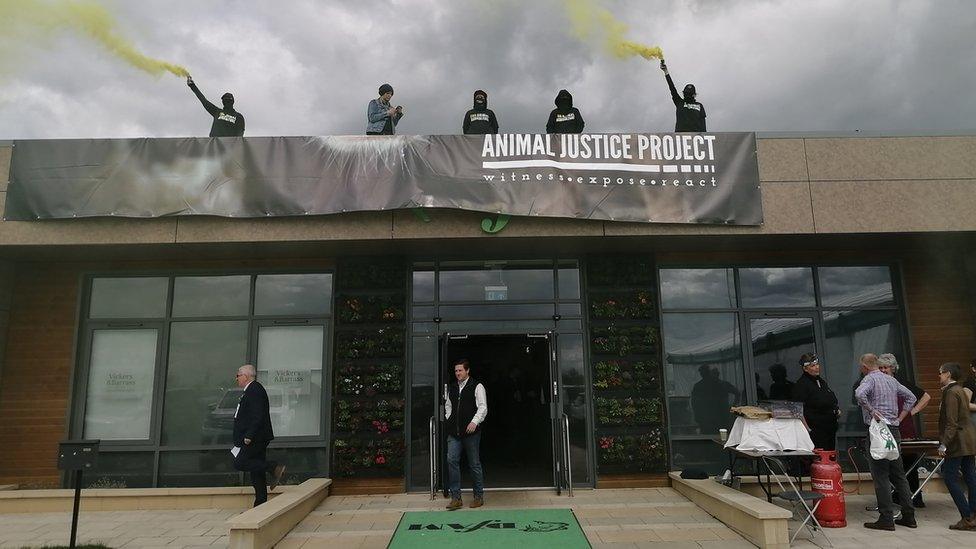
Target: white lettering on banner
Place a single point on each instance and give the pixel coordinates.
(667, 147)
(227, 118)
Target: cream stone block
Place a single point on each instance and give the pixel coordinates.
(346, 226)
(884, 158)
(894, 206)
(446, 223)
(86, 231)
(782, 160)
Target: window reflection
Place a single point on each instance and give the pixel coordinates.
(211, 295)
(855, 286)
(423, 285)
(201, 392)
(293, 294)
(848, 335)
(697, 288)
(496, 284)
(777, 287)
(137, 297)
(703, 371)
(777, 344)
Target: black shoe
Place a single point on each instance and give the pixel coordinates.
(880, 525)
(907, 523)
(918, 502)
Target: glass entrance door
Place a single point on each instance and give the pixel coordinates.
(519, 444)
(775, 343)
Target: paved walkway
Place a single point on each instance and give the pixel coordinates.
(932, 532)
(195, 528)
(650, 517)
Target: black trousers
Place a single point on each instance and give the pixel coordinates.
(823, 432)
(252, 459)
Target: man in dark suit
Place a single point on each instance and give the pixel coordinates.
(252, 434)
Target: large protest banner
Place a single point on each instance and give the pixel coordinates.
(659, 178)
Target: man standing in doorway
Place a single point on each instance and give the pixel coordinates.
(466, 406)
(878, 396)
(252, 434)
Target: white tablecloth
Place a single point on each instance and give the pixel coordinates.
(769, 434)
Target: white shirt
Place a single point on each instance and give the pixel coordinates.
(480, 400)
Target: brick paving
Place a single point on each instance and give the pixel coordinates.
(192, 528)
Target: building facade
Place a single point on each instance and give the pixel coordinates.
(611, 349)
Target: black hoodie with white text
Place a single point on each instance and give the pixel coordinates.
(480, 120)
(565, 118)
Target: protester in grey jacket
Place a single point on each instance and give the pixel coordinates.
(381, 116)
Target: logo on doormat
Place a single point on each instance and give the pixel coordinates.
(536, 526)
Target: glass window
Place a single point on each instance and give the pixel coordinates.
(703, 371)
(211, 295)
(777, 344)
(423, 285)
(497, 284)
(121, 470)
(848, 335)
(777, 287)
(855, 286)
(572, 364)
(120, 384)
(137, 297)
(569, 280)
(293, 294)
(423, 403)
(200, 468)
(290, 368)
(697, 288)
(201, 392)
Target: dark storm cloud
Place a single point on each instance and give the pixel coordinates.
(309, 67)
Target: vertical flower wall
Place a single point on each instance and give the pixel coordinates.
(368, 400)
(625, 357)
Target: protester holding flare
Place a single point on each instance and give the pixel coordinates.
(690, 114)
(227, 122)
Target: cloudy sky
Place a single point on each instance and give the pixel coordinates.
(306, 67)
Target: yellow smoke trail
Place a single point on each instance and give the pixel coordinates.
(590, 20)
(39, 18)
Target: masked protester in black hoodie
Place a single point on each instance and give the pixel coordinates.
(226, 121)
(689, 114)
(565, 118)
(480, 120)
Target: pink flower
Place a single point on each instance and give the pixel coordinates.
(380, 460)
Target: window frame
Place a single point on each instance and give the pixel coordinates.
(82, 361)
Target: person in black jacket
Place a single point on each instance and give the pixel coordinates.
(480, 120)
(820, 408)
(465, 409)
(689, 113)
(253, 433)
(565, 118)
(227, 122)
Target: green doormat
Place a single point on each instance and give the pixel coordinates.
(510, 528)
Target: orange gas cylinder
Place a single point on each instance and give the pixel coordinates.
(825, 477)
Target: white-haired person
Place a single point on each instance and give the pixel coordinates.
(888, 364)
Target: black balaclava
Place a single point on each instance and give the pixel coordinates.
(690, 93)
(564, 101)
(228, 99)
(484, 104)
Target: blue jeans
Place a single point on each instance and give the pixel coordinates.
(472, 448)
(950, 473)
